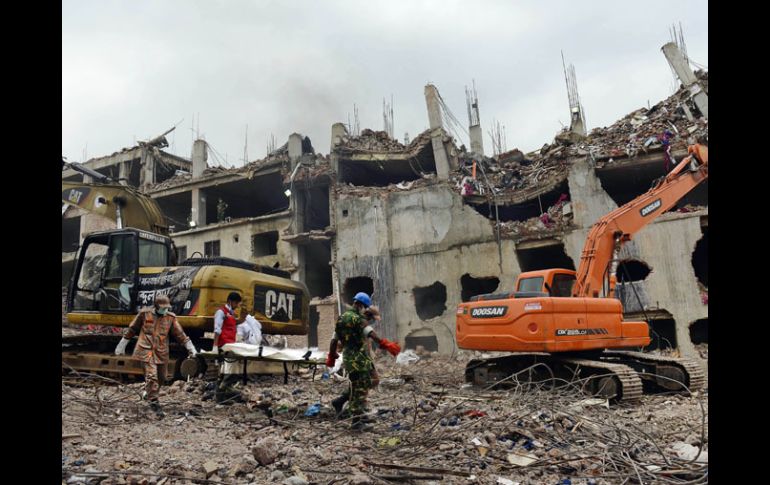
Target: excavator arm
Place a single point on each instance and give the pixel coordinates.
(120, 203)
(598, 260)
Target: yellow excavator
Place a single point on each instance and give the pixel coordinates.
(119, 271)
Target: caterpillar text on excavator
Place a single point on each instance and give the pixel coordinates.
(117, 272)
(571, 321)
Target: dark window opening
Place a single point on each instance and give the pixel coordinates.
(70, 234)
(430, 301)
(315, 201)
(699, 331)
(355, 285)
(318, 272)
(662, 334)
(477, 286)
(344, 213)
(312, 335)
(544, 257)
(523, 210)
(134, 173)
(259, 196)
(625, 183)
(632, 270)
(211, 249)
(562, 285)
(112, 171)
(381, 173)
(700, 259)
(164, 171)
(264, 244)
(177, 208)
(181, 253)
(428, 342)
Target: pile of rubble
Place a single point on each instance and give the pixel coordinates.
(556, 220)
(361, 191)
(510, 174)
(430, 427)
(370, 141)
(674, 122)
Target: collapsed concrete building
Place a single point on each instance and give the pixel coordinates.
(425, 226)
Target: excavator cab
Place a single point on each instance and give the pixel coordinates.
(106, 277)
(548, 282)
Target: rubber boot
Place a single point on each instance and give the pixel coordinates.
(155, 406)
(339, 402)
(358, 424)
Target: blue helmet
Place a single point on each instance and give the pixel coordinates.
(363, 298)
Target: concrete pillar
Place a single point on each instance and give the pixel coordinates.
(295, 148)
(678, 63)
(147, 173)
(199, 156)
(477, 139)
(437, 133)
(577, 124)
(198, 207)
(338, 132)
(125, 172)
(434, 109)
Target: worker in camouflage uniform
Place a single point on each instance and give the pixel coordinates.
(352, 334)
(153, 326)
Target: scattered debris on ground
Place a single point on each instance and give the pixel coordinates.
(431, 427)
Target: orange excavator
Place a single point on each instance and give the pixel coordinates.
(571, 321)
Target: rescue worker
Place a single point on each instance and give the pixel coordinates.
(225, 332)
(350, 332)
(153, 326)
(371, 317)
(225, 323)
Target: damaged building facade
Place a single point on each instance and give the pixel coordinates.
(427, 225)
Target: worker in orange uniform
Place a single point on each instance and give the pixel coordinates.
(153, 326)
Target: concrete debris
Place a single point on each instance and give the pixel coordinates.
(370, 141)
(520, 459)
(557, 219)
(506, 481)
(689, 452)
(295, 480)
(266, 450)
(209, 468)
(538, 436)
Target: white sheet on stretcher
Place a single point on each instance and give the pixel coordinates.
(241, 349)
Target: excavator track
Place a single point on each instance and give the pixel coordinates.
(621, 381)
(607, 379)
(661, 372)
(94, 353)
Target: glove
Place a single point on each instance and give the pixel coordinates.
(331, 359)
(121, 348)
(215, 349)
(391, 347)
(191, 349)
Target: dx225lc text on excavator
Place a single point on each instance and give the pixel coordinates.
(570, 320)
(119, 271)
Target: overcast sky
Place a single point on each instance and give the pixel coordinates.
(132, 69)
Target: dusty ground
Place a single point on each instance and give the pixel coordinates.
(427, 418)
